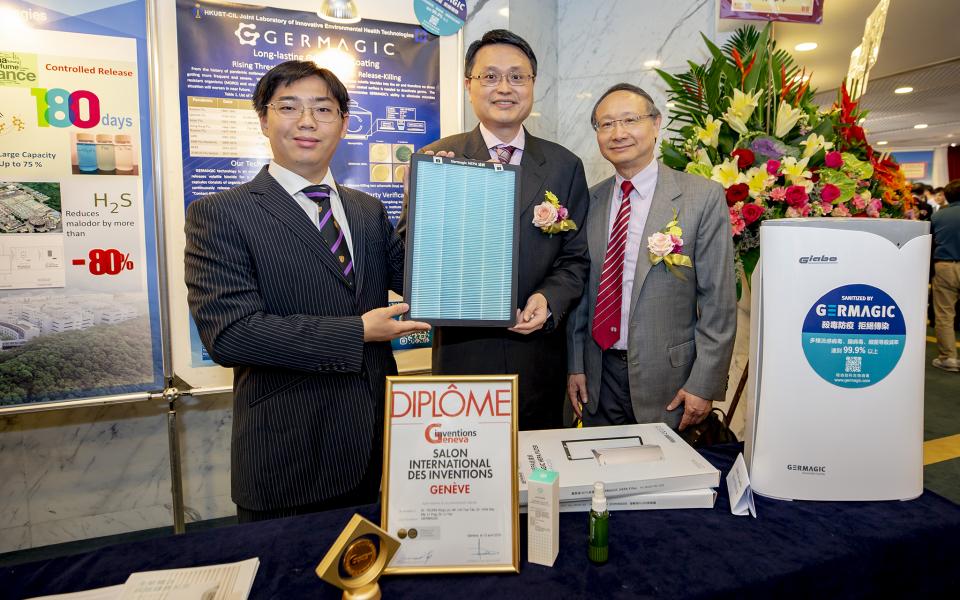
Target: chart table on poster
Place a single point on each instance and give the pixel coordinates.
(224, 127)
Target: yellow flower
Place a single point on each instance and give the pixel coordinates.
(709, 134)
(758, 181)
(552, 198)
(727, 174)
(741, 108)
(814, 143)
(795, 171)
(787, 117)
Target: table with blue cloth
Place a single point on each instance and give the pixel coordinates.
(792, 550)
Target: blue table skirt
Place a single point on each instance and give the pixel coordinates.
(815, 550)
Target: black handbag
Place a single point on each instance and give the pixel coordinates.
(710, 431)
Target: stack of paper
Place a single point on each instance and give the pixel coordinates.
(215, 582)
(642, 467)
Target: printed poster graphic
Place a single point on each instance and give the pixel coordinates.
(391, 71)
(854, 335)
(79, 309)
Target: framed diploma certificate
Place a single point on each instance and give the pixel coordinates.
(450, 489)
(461, 261)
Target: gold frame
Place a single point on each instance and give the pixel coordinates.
(512, 567)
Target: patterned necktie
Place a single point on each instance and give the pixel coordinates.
(504, 153)
(606, 316)
(330, 229)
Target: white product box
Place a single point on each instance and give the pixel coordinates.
(543, 518)
(628, 459)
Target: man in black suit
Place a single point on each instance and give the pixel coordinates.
(499, 74)
(287, 280)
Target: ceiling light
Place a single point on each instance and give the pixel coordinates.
(805, 47)
(920, 126)
(953, 145)
(339, 11)
(651, 63)
(882, 143)
(903, 90)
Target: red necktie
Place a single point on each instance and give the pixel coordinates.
(606, 317)
(504, 153)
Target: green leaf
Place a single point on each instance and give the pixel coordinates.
(750, 259)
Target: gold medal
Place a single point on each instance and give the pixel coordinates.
(358, 557)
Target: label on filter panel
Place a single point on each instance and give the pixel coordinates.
(853, 336)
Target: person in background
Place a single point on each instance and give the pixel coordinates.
(945, 287)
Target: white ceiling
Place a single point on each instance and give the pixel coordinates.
(920, 48)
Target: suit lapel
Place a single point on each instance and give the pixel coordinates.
(664, 202)
(476, 148)
(276, 201)
(598, 224)
(533, 176)
(356, 223)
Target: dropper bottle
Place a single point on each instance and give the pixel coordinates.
(598, 549)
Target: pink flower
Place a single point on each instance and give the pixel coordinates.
(840, 210)
(833, 160)
(829, 193)
(858, 202)
(873, 209)
(677, 244)
(544, 214)
(773, 167)
(562, 213)
(660, 244)
(778, 194)
(792, 213)
(805, 210)
(737, 223)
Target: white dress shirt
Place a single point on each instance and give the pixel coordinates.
(644, 183)
(294, 184)
(491, 141)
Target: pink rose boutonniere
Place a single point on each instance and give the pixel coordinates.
(666, 246)
(551, 216)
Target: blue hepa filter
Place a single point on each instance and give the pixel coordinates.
(461, 261)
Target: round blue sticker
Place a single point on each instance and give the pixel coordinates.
(441, 17)
(854, 335)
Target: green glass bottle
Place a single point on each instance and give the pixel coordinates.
(598, 548)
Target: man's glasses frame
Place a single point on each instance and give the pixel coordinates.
(626, 122)
(493, 79)
(291, 111)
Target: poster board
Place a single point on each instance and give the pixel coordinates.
(189, 363)
(79, 291)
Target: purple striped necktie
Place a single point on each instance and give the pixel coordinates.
(606, 315)
(330, 229)
(504, 152)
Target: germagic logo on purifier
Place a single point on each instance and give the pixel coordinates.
(808, 469)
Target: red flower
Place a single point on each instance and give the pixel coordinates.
(737, 192)
(751, 212)
(744, 157)
(773, 167)
(833, 160)
(796, 196)
(829, 193)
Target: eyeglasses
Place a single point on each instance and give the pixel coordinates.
(294, 110)
(627, 122)
(493, 79)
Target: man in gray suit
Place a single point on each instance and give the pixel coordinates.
(655, 327)
(287, 280)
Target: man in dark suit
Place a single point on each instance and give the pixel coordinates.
(500, 70)
(287, 278)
